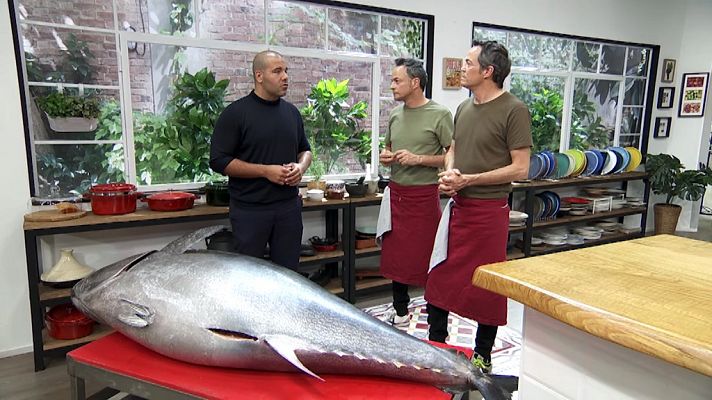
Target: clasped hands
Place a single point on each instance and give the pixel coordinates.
(403, 157)
(286, 174)
(451, 181)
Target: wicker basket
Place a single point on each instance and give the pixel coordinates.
(666, 216)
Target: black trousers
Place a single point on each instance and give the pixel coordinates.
(400, 298)
(278, 224)
(484, 340)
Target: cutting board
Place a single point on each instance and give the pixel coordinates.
(52, 216)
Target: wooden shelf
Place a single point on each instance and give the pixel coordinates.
(334, 286)
(516, 229)
(578, 181)
(49, 293)
(589, 217)
(51, 343)
(368, 283)
(322, 257)
(371, 251)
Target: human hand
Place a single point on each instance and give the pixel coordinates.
(277, 174)
(405, 157)
(295, 174)
(450, 181)
(386, 157)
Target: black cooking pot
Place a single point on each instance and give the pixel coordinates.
(217, 194)
(222, 241)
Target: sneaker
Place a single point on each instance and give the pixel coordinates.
(480, 362)
(396, 320)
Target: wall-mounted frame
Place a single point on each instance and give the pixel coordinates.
(666, 97)
(693, 94)
(668, 71)
(662, 127)
(451, 73)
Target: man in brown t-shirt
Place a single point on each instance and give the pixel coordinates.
(490, 149)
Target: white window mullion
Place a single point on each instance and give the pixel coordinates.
(567, 113)
(127, 109)
(619, 114)
(265, 6)
(375, 113)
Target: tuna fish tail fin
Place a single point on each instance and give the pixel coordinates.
(285, 346)
(185, 242)
(488, 385)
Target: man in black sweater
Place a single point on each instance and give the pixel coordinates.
(259, 142)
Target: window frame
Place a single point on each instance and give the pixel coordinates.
(571, 75)
(122, 39)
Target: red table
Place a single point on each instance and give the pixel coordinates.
(125, 365)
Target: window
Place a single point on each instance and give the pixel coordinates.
(152, 76)
(582, 93)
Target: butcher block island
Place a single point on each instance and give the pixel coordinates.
(626, 320)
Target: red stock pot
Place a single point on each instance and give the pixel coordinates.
(170, 201)
(113, 198)
(66, 322)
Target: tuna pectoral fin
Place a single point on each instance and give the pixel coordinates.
(134, 314)
(285, 347)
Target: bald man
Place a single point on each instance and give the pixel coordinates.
(259, 143)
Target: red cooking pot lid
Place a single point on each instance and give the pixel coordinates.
(113, 187)
(171, 196)
(66, 313)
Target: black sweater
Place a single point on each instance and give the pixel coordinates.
(257, 131)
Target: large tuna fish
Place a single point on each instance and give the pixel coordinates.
(228, 310)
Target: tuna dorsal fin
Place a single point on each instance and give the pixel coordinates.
(183, 243)
(285, 346)
(134, 314)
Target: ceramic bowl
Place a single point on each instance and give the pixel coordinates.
(315, 194)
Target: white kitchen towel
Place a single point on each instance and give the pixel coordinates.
(439, 253)
(384, 216)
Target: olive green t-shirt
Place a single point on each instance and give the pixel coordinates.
(424, 130)
(484, 136)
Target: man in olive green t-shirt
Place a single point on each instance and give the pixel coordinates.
(419, 131)
(490, 149)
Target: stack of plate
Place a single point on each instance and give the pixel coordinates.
(517, 218)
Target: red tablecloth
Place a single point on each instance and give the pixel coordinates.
(118, 354)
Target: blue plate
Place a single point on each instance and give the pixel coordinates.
(552, 164)
(591, 163)
(601, 161)
(534, 166)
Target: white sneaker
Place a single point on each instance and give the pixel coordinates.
(396, 320)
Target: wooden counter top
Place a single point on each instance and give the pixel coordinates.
(652, 295)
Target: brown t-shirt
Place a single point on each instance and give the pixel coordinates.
(484, 136)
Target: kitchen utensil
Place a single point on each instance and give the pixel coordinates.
(217, 194)
(52, 216)
(170, 201)
(65, 321)
(113, 198)
(66, 272)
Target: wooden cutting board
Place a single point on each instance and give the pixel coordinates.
(52, 216)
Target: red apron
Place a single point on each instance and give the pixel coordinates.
(406, 248)
(477, 236)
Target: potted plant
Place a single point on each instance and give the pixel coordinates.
(669, 178)
(70, 113)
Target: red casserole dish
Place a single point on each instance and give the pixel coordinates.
(113, 198)
(66, 322)
(170, 201)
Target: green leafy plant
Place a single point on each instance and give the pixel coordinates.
(332, 125)
(61, 105)
(668, 177)
(177, 147)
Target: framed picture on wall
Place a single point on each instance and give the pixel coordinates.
(666, 96)
(668, 70)
(662, 127)
(693, 94)
(451, 73)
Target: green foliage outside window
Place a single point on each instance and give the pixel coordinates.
(61, 105)
(333, 126)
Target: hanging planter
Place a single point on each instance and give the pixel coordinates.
(66, 113)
